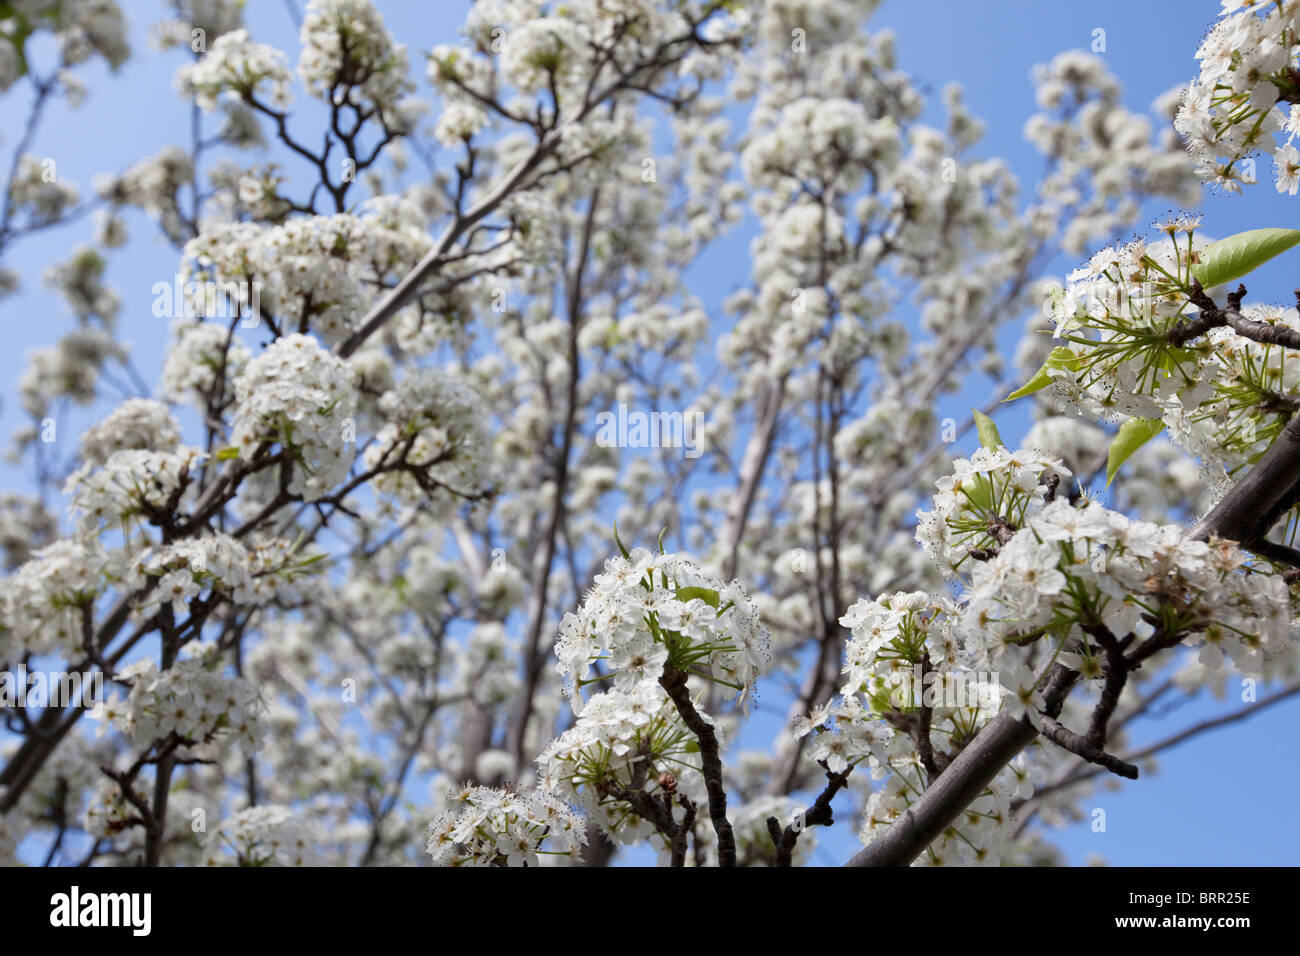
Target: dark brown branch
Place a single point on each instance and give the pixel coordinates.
(1067, 739)
(1082, 774)
(1277, 553)
(1115, 669)
(658, 809)
(1260, 332)
(1184, 330)
(818, 815)
(674, 682)
(924, 745)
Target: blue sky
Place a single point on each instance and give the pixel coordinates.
(1192, 812)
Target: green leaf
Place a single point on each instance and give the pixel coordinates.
(979, 492)
(1238, 255)
(1061, 357)
(707, 595)
(618, 541)
(987, 430)
(227, 453)
(1133, 434)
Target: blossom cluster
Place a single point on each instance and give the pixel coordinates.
(458, 122)
(25, 526)
(506, 827)
(647, 611)
(151, 185)
(1084, 567)
(1085, 134)
(268, 835)
(347, 51)
(109, 812)
(621, 736)
(234, 66)
(648, 621)
(190, 699)
(1121, 318)
(302, 397)
(42, 603)
(70, 370)
(213, 17)
(87, 28)
(830, 141)
(252, 576)
(542, 50)
(201, 355)
(976, 838)
(985, 495)
(141, 424)
(131, 488)
(80, 281)
(1232, 110)
(569, 48)
(1036, 566)
(1045, 581)
(38, 193)
(434, 433)
(82, 29)
(321, 271)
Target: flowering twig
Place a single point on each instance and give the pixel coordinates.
(962, 782)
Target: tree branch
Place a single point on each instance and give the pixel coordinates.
(674, 682)
(962, 782)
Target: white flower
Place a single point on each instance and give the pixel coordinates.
(138, 423)
(432, 447)
(457, 123)
(645, 604)
(505, 827)
(191, 700)
(345, 43)
(266, 835)
(1286, 166)
(303, 398)
(616, 736)
(200, 353)
(42, 603)
(544, 48)
(236, 66)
